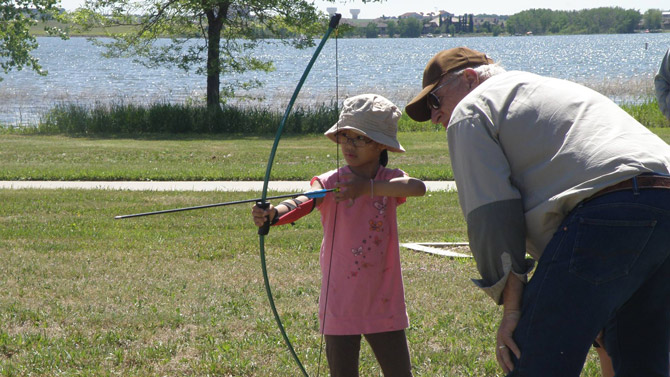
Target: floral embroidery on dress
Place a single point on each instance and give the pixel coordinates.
(376, 240)
(381, 206)
(376, 226)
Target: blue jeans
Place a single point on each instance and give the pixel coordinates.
(606, 267)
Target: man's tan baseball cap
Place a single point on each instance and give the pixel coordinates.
(442, 63)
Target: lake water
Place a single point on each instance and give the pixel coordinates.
(621, 66)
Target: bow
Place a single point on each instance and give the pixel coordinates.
(264, 230)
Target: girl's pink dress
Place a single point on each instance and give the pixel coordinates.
(366, 293)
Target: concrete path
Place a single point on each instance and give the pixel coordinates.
(185, 185)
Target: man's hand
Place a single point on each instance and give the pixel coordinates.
(505, 341)
(512, 294)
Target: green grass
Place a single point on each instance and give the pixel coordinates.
(166, 118)
(130, 119)
(647, 113)
(198, 157)
(38, 157)
(182, 294)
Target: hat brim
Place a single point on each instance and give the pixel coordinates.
(378, 137)
(417, 108)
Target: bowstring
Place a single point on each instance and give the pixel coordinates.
(337, 172)
(334, 21)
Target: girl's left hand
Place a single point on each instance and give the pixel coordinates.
(351, 187)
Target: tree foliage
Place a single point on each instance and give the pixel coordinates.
(371, 30)
(653, 19)
(16, 43)
(587, 21)
(410, 27)
(391, 28)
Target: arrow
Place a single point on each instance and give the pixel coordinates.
(310, 194)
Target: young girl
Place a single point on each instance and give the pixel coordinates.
(361, 286)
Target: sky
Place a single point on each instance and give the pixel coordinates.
(499, 7)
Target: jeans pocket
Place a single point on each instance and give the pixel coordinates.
(605, 250)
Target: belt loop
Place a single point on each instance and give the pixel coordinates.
(636, 190)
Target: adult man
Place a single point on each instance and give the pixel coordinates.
(662, 85)
(552, 168)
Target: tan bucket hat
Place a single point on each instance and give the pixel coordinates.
(439, 65)
(370, 115)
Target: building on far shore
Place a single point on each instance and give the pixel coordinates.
(418, 16)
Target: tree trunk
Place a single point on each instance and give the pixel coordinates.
(215, 24)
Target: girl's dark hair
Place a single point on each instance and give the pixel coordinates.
(384, 158)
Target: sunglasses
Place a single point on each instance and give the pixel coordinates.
(432, 99)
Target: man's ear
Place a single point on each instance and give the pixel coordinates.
(471, 77)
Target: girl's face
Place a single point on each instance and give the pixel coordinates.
(358, 150)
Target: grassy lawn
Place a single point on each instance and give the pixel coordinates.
(31, 157)
(182, 294)
(210, 158)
